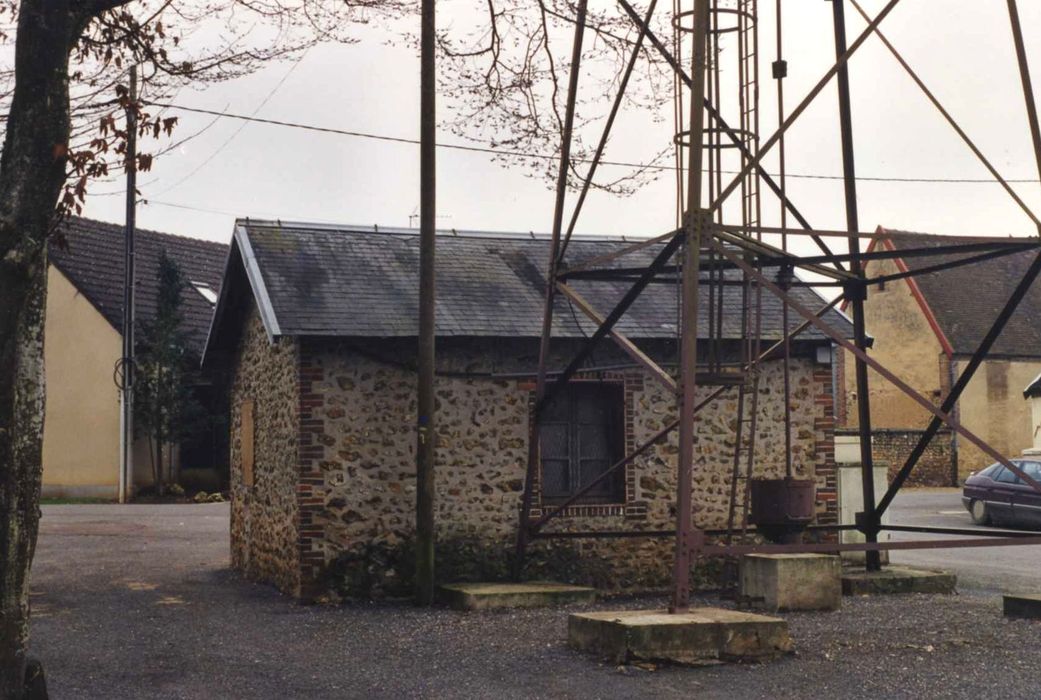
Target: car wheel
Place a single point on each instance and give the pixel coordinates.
(978, 511)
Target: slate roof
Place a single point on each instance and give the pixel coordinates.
(966, 300)
(92, 259)
(312, 280)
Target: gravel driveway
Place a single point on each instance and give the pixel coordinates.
(138, 602)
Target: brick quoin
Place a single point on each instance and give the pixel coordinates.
(824, 448)
(309, 498)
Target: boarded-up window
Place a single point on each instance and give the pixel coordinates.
(582, 434)
(997, 380)
(246, 445)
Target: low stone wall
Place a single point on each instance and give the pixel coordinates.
(892, 447)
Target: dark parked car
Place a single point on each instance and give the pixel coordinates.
(998, 496)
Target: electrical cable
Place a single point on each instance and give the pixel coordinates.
(545, 156)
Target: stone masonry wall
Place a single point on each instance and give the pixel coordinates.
(892, 447)
(264, 518)
(358, 441)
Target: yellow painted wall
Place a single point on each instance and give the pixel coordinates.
(906, 345)
(81, 422)
(993, 408)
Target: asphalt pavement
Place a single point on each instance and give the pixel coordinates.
(140, 602)
(1014, 569)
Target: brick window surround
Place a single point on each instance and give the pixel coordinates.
(631, 382)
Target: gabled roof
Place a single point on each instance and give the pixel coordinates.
(92, 259)
(312, 280)
(965, 301)
(1033, 388)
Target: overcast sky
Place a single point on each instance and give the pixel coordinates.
(962, 49)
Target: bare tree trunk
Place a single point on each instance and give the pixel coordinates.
(32, 171)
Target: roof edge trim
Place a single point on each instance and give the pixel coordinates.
(916, 292)
(218, 308)
(256, 281)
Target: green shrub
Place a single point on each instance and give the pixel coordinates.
(379, 569)
(200, 480)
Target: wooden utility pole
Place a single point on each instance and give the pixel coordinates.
(126, 423)
(425, 433)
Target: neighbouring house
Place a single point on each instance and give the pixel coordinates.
(317, 327)
(83, 342)
(925, 328)
(1032, 394)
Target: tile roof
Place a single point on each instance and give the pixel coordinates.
(355, 281)
(92, 259)
(966, 300)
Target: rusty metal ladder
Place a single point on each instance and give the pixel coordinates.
(751, 293)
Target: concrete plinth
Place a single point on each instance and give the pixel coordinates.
(779, 582)
(703, 635)
(485, 596)
(897, 579)
(1022, 605)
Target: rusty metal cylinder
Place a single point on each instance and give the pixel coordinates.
(782, 508)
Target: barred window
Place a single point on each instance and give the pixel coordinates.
(582, 434)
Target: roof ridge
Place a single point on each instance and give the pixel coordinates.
(884, 231)
(376, 229)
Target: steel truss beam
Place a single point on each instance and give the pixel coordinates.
(950, 120)
(880, 369)
(726, 128)
(763, 356)
(547, 312)
(755, 162)
(735, 246)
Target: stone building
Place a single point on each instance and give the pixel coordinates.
(317, 327)
(926, 328)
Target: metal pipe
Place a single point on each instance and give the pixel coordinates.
(753, 161)
(1028, 88)
(547, 311)
(849, 177)
(797, 112)
(425, 401)
(696, 224)
(950, 120)
(663, 257)
(882, 279)
(637, 47)
(832, 547)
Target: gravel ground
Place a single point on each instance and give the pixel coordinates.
(138, 602)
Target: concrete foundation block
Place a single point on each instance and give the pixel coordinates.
(1022, 605)
(701, 636)
(486, 596)
(897, 579)
(781, 582)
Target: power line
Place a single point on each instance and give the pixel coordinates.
(545, 156)
(245, 123)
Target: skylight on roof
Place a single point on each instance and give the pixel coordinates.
(206, 291)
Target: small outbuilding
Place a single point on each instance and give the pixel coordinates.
(316, 328)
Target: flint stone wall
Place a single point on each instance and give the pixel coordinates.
(363, 420)
(265, 517)
(335, 451)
